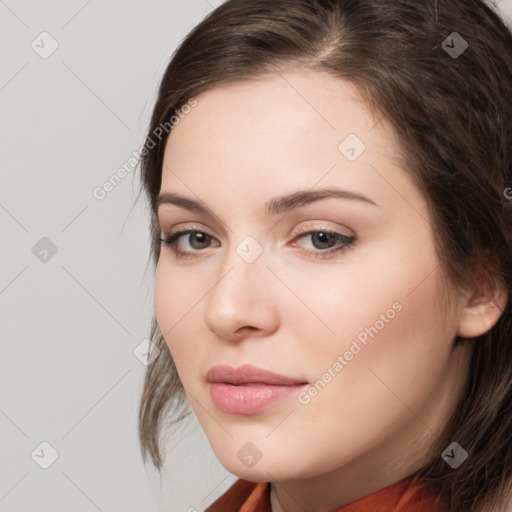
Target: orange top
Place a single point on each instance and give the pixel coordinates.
(403, 496)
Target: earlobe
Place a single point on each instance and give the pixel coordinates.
(480, 313)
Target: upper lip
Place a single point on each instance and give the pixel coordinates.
(248, 373)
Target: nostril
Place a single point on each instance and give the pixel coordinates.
(250, 327)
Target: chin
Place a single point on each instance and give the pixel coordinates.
(264, 471)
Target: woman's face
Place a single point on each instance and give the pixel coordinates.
(359, 319)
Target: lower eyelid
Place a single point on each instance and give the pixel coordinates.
(344, 241)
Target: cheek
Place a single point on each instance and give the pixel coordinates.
(177, 300)
(376, 318)
(165, 298)
(392, 340)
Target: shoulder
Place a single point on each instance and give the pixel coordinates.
(418, 497)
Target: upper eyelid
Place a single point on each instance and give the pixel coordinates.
(186, 228)
(293, 203)
(164, 218)
(303, 230)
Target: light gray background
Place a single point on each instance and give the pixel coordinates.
(70, 323)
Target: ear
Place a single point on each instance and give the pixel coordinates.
(480, 310)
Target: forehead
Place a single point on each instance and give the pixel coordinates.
(283, 131)
(275, 109)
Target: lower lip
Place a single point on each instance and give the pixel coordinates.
(249, 399)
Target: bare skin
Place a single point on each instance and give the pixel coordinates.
(297, 306)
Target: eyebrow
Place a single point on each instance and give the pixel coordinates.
(284, 203)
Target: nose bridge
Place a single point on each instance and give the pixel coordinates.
(242, 268)
(239, 298)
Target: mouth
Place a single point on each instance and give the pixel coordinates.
(248, 389)
(249, 374)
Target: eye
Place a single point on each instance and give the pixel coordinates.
(325, 242)
(197, 240)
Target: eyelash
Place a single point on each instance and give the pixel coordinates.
(171, 240)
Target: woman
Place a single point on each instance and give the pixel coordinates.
(332, 233)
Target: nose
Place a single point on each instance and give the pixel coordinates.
(241, 303)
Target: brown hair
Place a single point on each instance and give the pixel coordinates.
(453, 118)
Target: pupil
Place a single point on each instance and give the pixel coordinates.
(196, 236)
(327, 238)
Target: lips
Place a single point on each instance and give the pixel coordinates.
(248, 374)
(248, 389)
